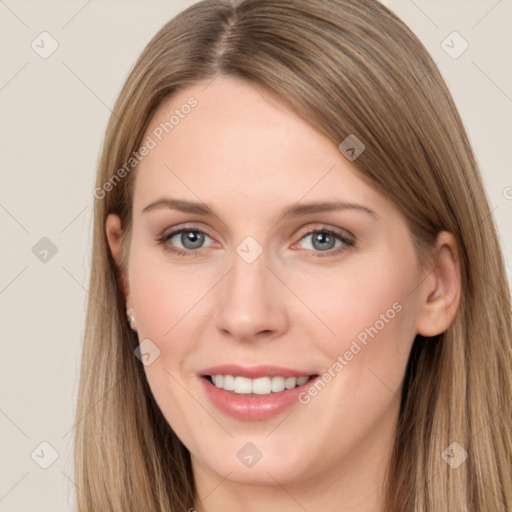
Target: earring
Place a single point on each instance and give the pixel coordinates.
(131, 318)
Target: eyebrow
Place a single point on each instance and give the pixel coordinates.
(295, 210)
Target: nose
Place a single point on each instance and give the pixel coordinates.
(251, 301)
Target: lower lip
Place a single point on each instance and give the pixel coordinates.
(254, 407)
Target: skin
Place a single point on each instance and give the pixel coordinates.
(247, 156)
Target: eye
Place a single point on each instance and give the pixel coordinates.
(190, 238)
(324, 241)
(328, 241)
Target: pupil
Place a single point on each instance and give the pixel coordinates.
(322, 237)
(193, 237)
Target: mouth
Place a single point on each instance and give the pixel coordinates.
(260, 386)
(254, 393)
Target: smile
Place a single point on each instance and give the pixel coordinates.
(254, 393)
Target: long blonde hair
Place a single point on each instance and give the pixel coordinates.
(347, 67)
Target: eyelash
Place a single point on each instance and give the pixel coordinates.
(347, 242)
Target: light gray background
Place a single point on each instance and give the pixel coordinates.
(53, 115)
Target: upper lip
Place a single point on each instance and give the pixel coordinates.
(253, 372)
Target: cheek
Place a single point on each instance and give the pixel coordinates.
(163, 295)
(372, 305)
(157, 300)
(372, 312)
(163, 300)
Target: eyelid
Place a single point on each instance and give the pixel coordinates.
(326, 227)
(171, 231)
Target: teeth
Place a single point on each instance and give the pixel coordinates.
(277, 384)
(259, 386)
(290, 382)
(242, 385)
(302, 380)
(229, 383)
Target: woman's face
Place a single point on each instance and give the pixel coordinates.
(257, 297)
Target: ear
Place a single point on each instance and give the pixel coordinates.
(441, 290)
(114, 237)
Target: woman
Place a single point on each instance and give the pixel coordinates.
(232, 360)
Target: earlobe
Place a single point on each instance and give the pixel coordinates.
(114, 236)
(440, 291)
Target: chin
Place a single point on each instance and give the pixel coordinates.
(241, 464)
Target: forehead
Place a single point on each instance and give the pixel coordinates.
(241, 144)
